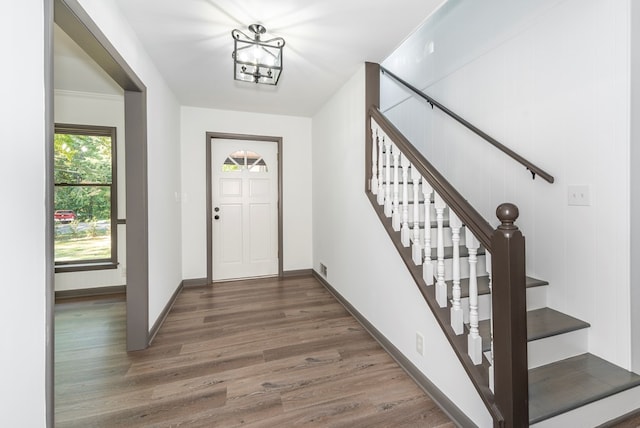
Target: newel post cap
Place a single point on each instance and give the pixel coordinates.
(507, 214)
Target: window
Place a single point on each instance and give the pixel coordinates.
(85, 211)
(244, 159)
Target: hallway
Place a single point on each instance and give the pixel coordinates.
(262, 352)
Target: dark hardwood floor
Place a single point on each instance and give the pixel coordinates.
(631, 421)
(263, 353)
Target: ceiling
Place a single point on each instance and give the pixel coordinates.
(326, 41)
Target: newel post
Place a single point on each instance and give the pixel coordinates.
(372, 99)
(510, 319)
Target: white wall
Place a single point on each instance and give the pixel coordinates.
(296, 159)
(635, 186)
(363, 265)
(83, 108)
(550, 79)
(74, 70)
(23, 240)
(163, 137)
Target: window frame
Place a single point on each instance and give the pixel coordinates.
(112, 261)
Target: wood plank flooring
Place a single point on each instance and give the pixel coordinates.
(632, 421)
(257, 353)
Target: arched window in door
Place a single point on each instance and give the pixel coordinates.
(244, 159)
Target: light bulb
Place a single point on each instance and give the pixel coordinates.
(258, 54)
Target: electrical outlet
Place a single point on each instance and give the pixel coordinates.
(579, 195)
(419, 343)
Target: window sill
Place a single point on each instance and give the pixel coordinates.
(80, 267)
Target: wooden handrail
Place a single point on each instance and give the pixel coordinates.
(481, 229)
(534, 169)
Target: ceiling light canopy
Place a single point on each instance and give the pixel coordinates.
(256, 60)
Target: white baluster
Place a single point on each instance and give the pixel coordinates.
(395, 217)
(374, 158)
(416, 249)
(457, 319)
(427, 267)
(487, 256)
(381, 142)
(405, 236)
(474, 341)
(441, 286)
(388, 209)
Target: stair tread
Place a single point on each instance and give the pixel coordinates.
(546, 322)
(534, 282)
(411, 202)
(448, 252)
(400, 182)
(541, 323)
(483, 286)
(434, 224)
(564, 385)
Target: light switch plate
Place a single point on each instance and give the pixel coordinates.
(579, 195)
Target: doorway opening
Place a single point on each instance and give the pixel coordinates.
(78, 25)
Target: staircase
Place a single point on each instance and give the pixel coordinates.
(528, 362)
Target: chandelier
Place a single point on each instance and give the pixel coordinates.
(256, 60)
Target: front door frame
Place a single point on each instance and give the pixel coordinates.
(210, 139)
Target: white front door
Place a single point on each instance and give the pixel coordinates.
(245, 208)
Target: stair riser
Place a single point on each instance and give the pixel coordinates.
(550, 349)
(434, 236)
(484, 308)
(536, 298)
(596, 413)
(384, 170)
(464, 267)
(421, 212)
(409, 191)
(409, 196)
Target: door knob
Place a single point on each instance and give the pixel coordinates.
(216, 209)
(217, 217)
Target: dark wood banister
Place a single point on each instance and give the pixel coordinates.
(481, 229)
(509, 404)
(529, 165)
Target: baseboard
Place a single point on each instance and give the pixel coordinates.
(456, 415)
(89, 292)
(163, 315)
(195, 282)
(299, 272)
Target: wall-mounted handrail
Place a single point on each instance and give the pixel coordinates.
(535, 170)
